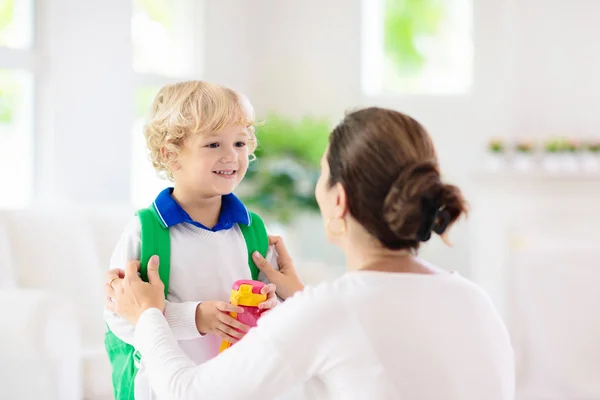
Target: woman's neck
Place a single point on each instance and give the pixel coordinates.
(360, 257)
(370, 256)
(205, 210)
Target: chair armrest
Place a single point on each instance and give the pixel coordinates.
(40, 337)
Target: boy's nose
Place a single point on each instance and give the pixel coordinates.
(229, 155)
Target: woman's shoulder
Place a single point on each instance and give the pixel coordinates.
(317, 310)
(344, 286)
(325, 298)
(361, 285)
(312, 302)
(327, 290)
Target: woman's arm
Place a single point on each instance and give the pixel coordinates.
(290, 343)
(254, 368)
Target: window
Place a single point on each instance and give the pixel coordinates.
(16, 24)
(421, 47)
(145, 183)
(165, 50)
(162, 32)
(16, 102)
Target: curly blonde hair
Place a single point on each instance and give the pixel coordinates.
(189, 108)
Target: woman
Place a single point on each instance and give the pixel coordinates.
(392, 327)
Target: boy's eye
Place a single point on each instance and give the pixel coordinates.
(212, 145)
(240, 144)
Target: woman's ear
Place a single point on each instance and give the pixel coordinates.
(341, 201)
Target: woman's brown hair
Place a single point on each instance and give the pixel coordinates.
(387, 164)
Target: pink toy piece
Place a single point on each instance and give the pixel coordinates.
(256, 285)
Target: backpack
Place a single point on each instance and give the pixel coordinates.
(155, 239)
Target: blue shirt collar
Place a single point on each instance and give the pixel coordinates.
(171, 213)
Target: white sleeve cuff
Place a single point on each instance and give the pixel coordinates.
(147, 329)
(181, 318)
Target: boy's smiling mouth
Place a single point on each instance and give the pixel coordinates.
(226, 173)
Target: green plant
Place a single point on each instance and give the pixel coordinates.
(407, 22)
(160, 11)
(496, 146)
(572, 145)
(9, 96)
(7, 13)
(524, 146)
(281, 181)
(144, 95)
(554, 145)
(593, 146)
(6, 107)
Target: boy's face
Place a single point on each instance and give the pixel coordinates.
(214, 164)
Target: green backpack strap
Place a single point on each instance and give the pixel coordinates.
(255, 235)
(155, 241)
(123, 357)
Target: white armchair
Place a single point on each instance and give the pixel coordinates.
(55, 327)
(40, 343)
(52, 266)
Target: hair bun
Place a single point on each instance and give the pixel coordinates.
(434, 220)
(419, 203)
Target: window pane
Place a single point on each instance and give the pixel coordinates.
(426, 47)
(16, 23)
(145, 182)
(16, 146)
(143, 100)
(162, 33)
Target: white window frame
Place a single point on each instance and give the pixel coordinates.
(26, 60)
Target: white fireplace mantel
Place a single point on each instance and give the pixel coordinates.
(536, 251)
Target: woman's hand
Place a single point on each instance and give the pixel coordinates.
(129, 296)
(286, 279)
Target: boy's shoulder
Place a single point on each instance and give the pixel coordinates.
(133, 227)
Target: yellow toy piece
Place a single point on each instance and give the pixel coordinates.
(244, 294)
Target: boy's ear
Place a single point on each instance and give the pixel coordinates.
(169, 159)
(164, 153)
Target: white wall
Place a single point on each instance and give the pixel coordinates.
(557, 85)
(228, 44)
(535, 72)
(85, 102)
(306, 59)
(533, 75)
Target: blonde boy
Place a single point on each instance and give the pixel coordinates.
(200, 136)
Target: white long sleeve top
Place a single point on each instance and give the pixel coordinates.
(366, 335)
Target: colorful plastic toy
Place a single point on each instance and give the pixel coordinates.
(246, 294)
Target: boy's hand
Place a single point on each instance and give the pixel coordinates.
(213, 317)
(271, 301)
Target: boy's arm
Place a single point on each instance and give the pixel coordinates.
(180, 316)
